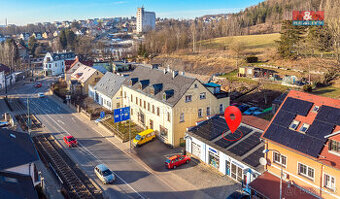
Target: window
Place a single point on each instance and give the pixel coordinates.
(163, 131)
(144, 104)
(153, 108)
(148, 106)
(200, 113)
(188, 98)
(118, 105)
(131, 98)
(124, 94)
(137, 100)
(168, 117)
(329, 181)
(279, 160)
(202, 95)
(221, 108)
(208, 111)
(306, 171)
(294, 125)
(304, 128)
(131, 111)
(158, 111)
(334, 146)
(195, 86)
(316, 109)
(108, 103)
(140, 102)
(181, 117)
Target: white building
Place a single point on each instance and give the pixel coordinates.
(145, 20)
(54, 63)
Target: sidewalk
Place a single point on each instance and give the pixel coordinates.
(195, 177)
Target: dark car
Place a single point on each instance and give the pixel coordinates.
(238, 195)
(243, 107)
(38, 85)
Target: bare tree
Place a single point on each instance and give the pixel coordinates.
(237, 49)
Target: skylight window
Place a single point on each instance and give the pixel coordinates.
(304, 128)
(294, 125)
(316, 109)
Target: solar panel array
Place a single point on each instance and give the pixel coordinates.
(233, 136)
(254, 158)
(211, 129)
(313, 140)
(246, 144)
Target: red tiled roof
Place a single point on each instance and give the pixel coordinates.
(268, 185)
(255, 122)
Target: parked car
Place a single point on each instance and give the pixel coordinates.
(41, 95)
(251, 110)
(177, 160)
(104, 174)
(144, 137)
(238, 195)
(38, 85)
(3, 124)
(243, 107)
(70, 141)
(258, 112)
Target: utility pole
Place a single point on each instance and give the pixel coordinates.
(28, 116)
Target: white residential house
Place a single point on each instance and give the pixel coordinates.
(107, 92)
(54, 63)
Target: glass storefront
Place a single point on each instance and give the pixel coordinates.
(214, 159)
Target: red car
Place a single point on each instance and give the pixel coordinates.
(38, 85)
(176, 160)
(70, 141)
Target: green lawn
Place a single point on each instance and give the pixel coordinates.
(328, 91)
(232, 77)
(254, 42)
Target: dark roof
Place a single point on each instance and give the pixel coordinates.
(161, 82)
(60, 56)
(109, 84)
(4, 68)
(16, 149)
(16, 186)
(313, 141)
(208, 131)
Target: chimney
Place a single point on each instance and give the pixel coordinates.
(164, 70)
(183, 73)
(174, 74)
(168, 69)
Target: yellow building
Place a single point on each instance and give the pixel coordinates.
(168, 102)
(83, 77)
(304, 139)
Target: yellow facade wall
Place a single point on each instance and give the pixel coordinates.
(316, 185)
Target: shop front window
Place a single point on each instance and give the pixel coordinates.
(214, 160)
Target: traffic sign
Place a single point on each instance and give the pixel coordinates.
(102, 114)
(121, 114)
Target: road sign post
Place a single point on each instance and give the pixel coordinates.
(123, 114)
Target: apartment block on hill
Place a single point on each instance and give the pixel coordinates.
(169, 102)
(303, 139)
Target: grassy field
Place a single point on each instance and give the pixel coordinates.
(256, 43)
(329, 91)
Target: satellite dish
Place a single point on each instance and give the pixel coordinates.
(263, 161)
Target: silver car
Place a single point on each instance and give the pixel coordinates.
(104, 174)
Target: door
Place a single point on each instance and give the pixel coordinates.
(196, 149)
(151, 124)
(227, 168)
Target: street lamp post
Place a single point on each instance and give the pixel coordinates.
(274, 150)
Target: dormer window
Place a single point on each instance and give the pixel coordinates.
(304, 128)
(334, 146)
(294, 125)
(316, 109)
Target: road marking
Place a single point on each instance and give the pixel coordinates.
(93, 154)
(61, 122)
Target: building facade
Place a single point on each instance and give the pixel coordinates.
(146, 21)
(169, 102)
(54, 63)
(304, 139)
(84, 76)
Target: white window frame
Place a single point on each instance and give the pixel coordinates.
(208, 111)
(190, 96)
(307, 168)
(181, 117)
(203, 95)
(294, 122)
(316, 109)
(330, 177)
(200, 113)
(279, 162)
(304, 125)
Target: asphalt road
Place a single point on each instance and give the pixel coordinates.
(133, 180)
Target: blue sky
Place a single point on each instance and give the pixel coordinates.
(30, 11)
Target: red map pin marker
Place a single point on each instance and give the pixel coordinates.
(234, 122)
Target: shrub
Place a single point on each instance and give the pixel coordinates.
(252, 59)
(307, 88)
